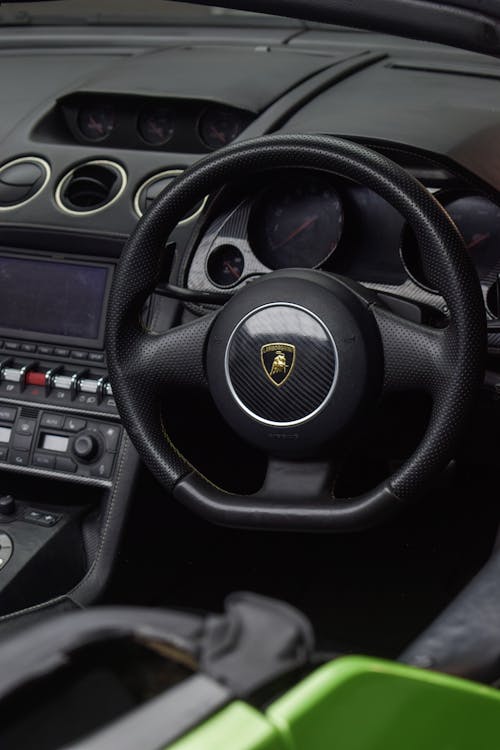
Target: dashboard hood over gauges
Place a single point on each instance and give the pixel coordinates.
(467, 24)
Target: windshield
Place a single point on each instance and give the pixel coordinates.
(124, 12)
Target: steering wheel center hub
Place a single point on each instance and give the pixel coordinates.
(281, 364)
(292, 360)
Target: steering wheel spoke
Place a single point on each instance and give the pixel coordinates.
(414, 354)
(174, 359)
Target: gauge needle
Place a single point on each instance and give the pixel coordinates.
(231, 269)
(477, 240)
(307, 223)
(96, 125)
(218, 134)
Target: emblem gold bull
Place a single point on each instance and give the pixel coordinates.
(279, 364)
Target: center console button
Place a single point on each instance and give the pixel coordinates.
(88, 385)
(103, 468)
(61, 352)
(42, 518)
(96, 356)
(46, 350)
(74, 425)
(7, 414)
(111, 436)
(19, 458)
(79, 355)
(12, 345)
(28, 348)
(25, 426)
(63, 382)
(44, 461)
(52, 420)
(22, 442)
(12, 374)
(35, 378)
(63, 463)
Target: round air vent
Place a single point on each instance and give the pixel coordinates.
(152, 188)
(91, 187)
(21, 180)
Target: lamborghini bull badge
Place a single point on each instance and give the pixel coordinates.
(278, 360)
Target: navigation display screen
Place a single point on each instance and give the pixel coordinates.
(50, 297)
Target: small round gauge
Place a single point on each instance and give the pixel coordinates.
(97, 123)
(219, 126)
(156, 125)
(225, 265)
(478, 221)
(297, 223)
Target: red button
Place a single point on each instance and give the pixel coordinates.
(35, 378)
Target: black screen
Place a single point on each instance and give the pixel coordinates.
(62, 299)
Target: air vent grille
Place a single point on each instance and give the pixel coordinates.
(151, 189)
(21, 180)
(90, 187)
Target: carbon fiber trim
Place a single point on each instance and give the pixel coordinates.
(311, 376)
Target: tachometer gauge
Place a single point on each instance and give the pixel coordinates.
(478, 221)
(297, 223)
(219, 126)
(96, 122)
(225, 265)
(156, 125)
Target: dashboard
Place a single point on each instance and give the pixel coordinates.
(95, 123)
(104, 131)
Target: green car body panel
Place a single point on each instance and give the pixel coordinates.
(359, 703)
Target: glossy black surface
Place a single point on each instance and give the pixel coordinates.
(219, 126)
(297, 223)
(97, 122)
(225, 265)
(156, 125)
(302, 379)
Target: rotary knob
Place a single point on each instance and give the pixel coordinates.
(86, 447)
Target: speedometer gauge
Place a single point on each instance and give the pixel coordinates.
(297, 223)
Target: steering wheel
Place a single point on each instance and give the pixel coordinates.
(295, 359)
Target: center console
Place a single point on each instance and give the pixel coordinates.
(57, 411)
(59, 427)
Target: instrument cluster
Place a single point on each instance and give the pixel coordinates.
(299, 218)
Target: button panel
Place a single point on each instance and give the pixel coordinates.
(55, 374)
(69, 377)
(40, 517)
(52, 442)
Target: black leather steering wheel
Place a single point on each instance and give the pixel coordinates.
(294, 360)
